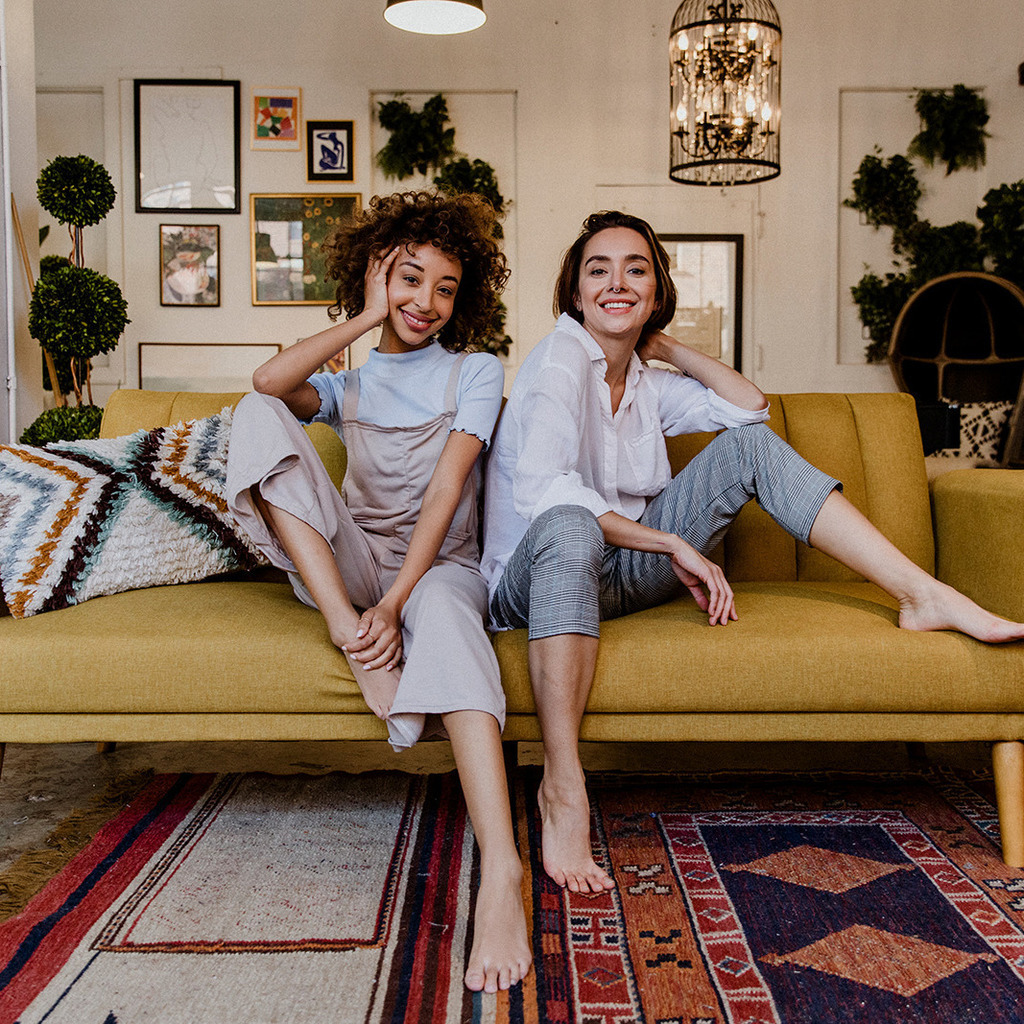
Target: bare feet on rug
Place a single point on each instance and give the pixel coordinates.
(500, 956)
(565, 838)
(942, 607)
(378, 686)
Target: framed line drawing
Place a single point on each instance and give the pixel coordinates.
(189, 265)
(285, 237)
(200, 366)
(187, 145)
(276, 118)
(707, 271)
(329, 151)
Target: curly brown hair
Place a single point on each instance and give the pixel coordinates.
(461, 226)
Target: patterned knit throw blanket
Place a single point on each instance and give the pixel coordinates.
(85, 518)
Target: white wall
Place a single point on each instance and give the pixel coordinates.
(20, 100)
(591, 131)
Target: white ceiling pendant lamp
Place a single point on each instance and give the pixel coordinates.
(725, 86)
(435, 17)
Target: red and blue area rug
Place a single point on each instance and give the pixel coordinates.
(756, 899)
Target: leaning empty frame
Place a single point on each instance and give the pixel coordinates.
(707, 271)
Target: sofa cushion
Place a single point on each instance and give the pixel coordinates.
(796, 647)
(228, 647)
(85, 518)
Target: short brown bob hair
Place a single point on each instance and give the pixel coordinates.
(461, 226)
(567, 288)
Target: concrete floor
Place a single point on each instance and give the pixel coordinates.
(42, 784)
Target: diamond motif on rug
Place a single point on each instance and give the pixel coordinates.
(895, 963)
(825, 870)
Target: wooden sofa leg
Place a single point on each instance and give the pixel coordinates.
(1008, 769)
(106, 748)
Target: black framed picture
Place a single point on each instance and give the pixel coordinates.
(707, 271)
(329, 151)
(187, 145)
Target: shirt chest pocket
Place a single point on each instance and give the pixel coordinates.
(643, 464)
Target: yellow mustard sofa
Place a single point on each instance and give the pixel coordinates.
(815, 655)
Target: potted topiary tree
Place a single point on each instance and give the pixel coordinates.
(75, 313)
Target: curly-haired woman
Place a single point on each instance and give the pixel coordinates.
(392, 561)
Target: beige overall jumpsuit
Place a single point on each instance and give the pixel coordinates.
(449, 663)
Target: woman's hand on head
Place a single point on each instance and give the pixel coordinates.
(706, 581)
(378, 640)
(652, 345)
(375, 285)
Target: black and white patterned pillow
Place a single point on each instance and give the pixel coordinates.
(983, 428)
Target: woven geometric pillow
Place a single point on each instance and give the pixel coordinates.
(79, 519)
(983, 428)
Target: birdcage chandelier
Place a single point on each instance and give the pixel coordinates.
(725, 85)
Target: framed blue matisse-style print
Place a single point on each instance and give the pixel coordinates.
(329, 151)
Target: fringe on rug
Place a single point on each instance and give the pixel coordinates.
(29, 874)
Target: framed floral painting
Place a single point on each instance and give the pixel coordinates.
(287, 231)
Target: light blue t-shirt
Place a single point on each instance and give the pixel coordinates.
(407, 389)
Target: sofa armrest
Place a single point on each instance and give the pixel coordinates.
(979, 522)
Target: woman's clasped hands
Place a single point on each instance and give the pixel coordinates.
(378, 639)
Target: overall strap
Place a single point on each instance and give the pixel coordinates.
(451, 392)
(350, 401)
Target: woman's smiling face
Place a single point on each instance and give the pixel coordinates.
(617, 284)
(422, 285)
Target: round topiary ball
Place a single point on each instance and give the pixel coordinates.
(66, 423)
(76, 312)
(76, 190)
(50, 263)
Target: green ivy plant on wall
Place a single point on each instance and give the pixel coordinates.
(420, 142)
(886, 193)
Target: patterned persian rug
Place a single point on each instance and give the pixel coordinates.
(257, 899)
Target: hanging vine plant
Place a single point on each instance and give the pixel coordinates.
(421, 141)
(477, 177)
(886, 192)
(1002, 230)
(952, 128)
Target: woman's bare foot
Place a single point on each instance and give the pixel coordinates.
(565, 838)
(500, 956)
(941, 607)
(378, 686)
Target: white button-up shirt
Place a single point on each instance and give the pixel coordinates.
(558, 442)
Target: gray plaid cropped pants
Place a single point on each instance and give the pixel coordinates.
(564, 578)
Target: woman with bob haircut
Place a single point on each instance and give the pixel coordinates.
(584, 521)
